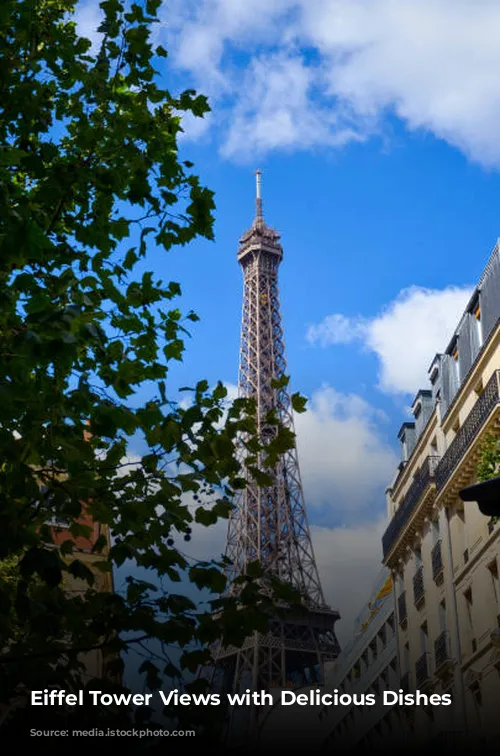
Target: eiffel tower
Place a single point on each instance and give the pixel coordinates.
(269, 524)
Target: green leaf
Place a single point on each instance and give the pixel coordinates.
(192, 660)
(279, 383)
(299, 403)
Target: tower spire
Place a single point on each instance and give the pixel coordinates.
(269, 522)
(258, 181)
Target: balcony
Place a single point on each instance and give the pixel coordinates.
(469, 431)
(418, 586)
(437, 562)
(442, 653)
(402, 615)
(422, 670)
(409, 504)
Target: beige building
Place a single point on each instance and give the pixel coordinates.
(368, 666)
(444, 555)
(365, 668)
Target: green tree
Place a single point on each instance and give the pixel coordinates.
(90, 175)
(489, 462)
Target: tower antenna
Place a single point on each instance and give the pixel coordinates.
(258, 182)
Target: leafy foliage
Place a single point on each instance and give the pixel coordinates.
(489, 463)
(90, 179)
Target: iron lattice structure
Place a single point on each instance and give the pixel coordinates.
(269, 524)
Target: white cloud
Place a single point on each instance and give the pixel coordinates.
(349, 560)
(88, 18)
(276, 112)
(195, 128)
(345, 463)
(405, 336)
(432, 63)
(345, 467)
(337, 329)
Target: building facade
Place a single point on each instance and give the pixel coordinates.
(369, 665)
(444, 555)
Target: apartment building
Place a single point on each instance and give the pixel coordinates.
(443, 555)
(368, 665)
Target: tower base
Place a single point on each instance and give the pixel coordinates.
(292, 654)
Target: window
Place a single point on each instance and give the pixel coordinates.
(442, 615)
(435, 531)
(476, 695)
(479, 328)
(493, 570)
(468, 607)
(418, 559)
(460, 530)
(424, 638)
(406, 657)
(382, 637)
(400, 583)
(384, 678)
(390, 624)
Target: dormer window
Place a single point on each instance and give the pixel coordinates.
(479, 327)
(434, 370)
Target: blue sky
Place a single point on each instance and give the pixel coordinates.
(376, 126)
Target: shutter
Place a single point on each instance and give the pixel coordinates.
(448, 389)
(475, 344)
(464, 346)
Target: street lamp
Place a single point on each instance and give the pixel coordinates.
(487, 496)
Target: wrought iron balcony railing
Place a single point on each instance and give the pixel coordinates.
(469, 430)
(437, 561)
(422, 670)
(442, 650)
(402, 615)
(418, 585)
(409, 503)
